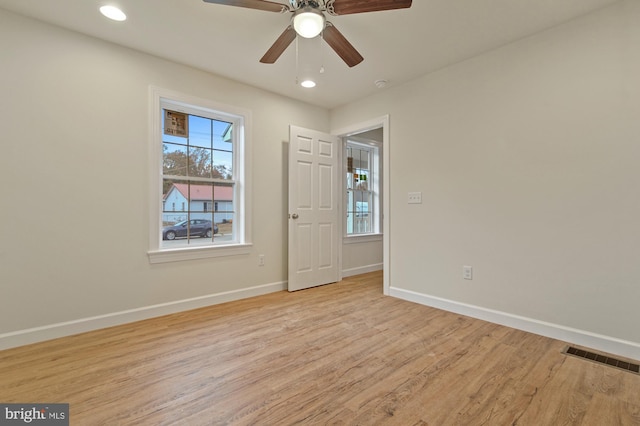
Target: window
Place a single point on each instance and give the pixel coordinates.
(362, 186)
(200, 161)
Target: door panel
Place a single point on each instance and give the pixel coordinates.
(325, 233)
(313, 208)
(326, 188)
(304, 182)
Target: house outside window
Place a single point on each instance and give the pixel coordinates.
(362, 187)
(201, 153)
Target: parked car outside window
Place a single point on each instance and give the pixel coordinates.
(191, 228)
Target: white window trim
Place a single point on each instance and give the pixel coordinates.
(362, 238)
(377, 234)
(243, 207)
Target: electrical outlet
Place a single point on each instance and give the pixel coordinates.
(261, 260)
(415, 198)
(467, 272)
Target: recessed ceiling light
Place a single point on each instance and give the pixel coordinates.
(308, 84)
(113, 12)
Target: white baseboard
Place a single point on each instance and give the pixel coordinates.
(53, 331)
(362, 270)
(599, 342)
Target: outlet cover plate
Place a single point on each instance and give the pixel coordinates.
(415, 198)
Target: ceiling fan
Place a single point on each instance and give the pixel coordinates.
(309, 21)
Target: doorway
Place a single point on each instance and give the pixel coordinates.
(376, 130)
(306, 267)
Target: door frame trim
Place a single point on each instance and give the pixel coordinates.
(375, 123)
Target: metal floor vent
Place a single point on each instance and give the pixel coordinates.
(602, 359)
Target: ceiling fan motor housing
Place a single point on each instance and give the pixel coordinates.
(314, 4)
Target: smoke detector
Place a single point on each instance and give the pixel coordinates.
(381, 84)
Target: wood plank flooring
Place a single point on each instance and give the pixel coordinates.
(341, 354)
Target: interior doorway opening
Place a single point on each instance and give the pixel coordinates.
(365, 189)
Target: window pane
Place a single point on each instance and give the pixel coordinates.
(199, 162)
(361, 221)
(224, 222)
(350, 212)
(173, 199)
(222, 164)
(200, 131)
(222, 135)
(174, 159)
(361, 159)
(168, 137)
(224, 213)
(199, 195)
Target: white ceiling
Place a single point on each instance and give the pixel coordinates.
(397, 45)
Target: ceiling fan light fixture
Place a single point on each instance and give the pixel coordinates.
(308, 22)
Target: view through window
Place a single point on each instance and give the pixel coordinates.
(362, 181)
(198, 179)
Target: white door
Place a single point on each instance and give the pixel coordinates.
(314, 211)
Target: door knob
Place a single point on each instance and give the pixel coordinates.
(295, 216)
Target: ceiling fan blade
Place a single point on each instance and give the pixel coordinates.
(346, 7)
(279, 46)
(268, 6)
(341, 45)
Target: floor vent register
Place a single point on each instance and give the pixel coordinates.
(603, 359)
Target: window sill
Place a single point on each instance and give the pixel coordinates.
(194, 253)
(357, 239)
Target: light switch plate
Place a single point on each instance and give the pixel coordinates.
(467, 272)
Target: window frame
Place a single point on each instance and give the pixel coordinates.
(375, 182)
(159, 98)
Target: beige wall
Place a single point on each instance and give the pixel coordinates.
(361, 257)
(525, 156)
(74, 173)
(527, 159)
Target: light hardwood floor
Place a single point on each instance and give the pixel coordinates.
(337, 354)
